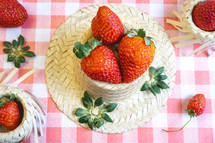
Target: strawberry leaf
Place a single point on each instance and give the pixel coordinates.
(25, 48)
(192, 113)
(29, 54)
(99, 123)
(2, 103)
(160, 70)
(17, 63)
(81, 112)
(10, 58)
(99, 101)
(144, 87)
(7, 44)
(15, 44)
(106, 117)
(85, 103)
(141, 33)
(90, 123)
(6, 50)
(162, 85)
(152, 91)
(109, 108)
(21, 40)
(94, 43)
(22, 59)
(88, 98)
(156, 88)
(12, 97)
(84, 119)
(78, 44)
(148, 41)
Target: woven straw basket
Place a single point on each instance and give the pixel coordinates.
(66, 81)
(187, 16)
(32, 111)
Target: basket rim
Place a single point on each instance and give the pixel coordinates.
(23, 116)
(187, 12)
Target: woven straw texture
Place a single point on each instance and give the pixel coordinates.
(32, 111)
(67, 83)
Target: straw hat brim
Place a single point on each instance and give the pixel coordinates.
(62, 77)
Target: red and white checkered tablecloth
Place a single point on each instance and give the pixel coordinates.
(194, 75)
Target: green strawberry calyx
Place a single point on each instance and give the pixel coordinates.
(16, 52)
(192, 114)
(95, 113)
(6, 99)
(140, 33)
(156, 81)
(83, 50)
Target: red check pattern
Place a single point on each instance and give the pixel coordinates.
(194, 75)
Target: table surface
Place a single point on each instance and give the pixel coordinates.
(194, 75)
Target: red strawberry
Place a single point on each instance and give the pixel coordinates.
(12, 13)
(10, 113)
(98, 61)
(136, 53)
(106, 26)
(195, 107)
(204, 15)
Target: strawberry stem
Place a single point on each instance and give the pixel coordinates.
(180, 128)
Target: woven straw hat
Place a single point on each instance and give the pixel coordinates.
(66, 81)
(32, 111)
(187, 10)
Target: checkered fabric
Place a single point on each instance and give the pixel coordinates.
(194, 75)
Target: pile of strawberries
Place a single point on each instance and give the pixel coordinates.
(135, 52)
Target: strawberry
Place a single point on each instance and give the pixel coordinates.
(98, 61)
(10, 113)
(12, 13)
(204, 15)
(107, 26)
(136, 53)
(195, 107)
